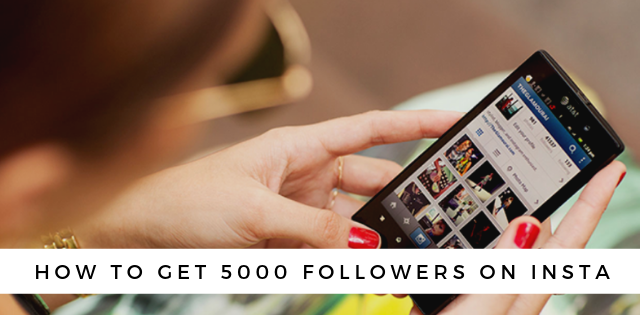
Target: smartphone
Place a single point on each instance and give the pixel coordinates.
(525, 149)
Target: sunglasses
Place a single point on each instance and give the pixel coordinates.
(277, 75)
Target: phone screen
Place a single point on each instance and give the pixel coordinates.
(507, 162)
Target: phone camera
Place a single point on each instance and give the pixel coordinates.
(564, 100)
(586, 128)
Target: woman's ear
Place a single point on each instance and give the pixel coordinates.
(27, 177)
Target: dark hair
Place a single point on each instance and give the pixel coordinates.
(84, 72)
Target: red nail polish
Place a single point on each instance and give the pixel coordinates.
(526, 235)
(363, 238)
(621, 178)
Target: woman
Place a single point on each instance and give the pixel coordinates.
(81, 146)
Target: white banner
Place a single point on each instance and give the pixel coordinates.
(319, 271)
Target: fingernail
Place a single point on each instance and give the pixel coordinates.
(526, 235)
(363, 238)
(621, 178)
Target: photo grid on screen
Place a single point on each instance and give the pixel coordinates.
(452, 197)
(458, 198)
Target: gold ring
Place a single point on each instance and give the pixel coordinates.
(334, 191)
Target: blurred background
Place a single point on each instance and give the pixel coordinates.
(378, 54)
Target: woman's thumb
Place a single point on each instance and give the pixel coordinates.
(317, 227)
(521, 233)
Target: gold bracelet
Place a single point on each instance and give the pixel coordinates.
(63, 240)
(60, 240)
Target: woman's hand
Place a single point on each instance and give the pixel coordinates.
(573, 232)
(269, 191)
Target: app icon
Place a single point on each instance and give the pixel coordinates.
(420, 238)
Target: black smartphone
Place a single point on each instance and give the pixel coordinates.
(523, 150)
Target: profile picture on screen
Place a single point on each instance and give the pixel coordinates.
(508, 105)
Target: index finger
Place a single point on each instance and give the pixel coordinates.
(577, 226)
(348, 135)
